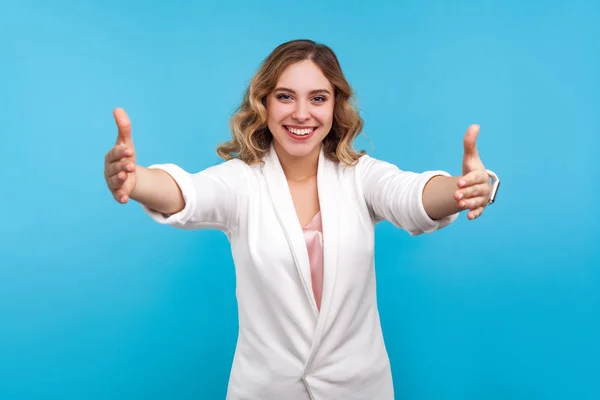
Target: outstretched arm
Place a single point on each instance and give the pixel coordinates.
(126, 180)
(444, 196)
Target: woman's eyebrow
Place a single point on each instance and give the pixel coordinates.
(315, 91)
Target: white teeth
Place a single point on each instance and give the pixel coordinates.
(300, 132)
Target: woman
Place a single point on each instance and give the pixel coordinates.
(299, 205)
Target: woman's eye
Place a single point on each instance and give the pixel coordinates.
(319, 99)
(283, 96)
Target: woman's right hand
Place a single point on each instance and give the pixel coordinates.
(119, 162)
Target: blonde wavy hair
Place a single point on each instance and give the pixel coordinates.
(251, 137)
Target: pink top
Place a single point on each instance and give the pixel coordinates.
(313, 235)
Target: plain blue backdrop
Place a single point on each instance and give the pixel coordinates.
(99, 302)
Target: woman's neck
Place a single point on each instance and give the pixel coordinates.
(298, 168)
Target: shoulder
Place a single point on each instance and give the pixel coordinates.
(367, 164)
(233, 167)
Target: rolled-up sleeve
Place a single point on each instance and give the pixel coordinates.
(397, 196)
(212, 197)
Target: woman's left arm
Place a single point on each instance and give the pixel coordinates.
(444, 196)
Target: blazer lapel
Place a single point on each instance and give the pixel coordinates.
(328, 188)
(283, 204)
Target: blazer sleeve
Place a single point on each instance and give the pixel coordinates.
(212, 197)
(397, 196)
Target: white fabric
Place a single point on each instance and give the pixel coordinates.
(286, 349)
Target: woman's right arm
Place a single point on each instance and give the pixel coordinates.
(211, 198)
(153, 188)
(158, 191)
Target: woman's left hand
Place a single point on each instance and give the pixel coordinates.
(474, 185)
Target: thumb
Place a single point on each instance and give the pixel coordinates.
(470, 148)
(123, 125)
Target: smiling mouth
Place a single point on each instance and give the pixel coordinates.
(300, 131)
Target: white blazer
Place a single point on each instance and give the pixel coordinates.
(286, 348)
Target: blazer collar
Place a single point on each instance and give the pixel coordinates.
(327, 186)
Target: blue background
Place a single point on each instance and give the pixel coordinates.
(99, 302)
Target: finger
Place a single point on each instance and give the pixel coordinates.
(473, 203)
(480, 190)
(474, 214)
(117, 153)
(123, 125)
(123, 165)
(469, 141)
(473, 178)
(116, 181)
(121, 197)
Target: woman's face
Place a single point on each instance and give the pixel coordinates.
(300, 110)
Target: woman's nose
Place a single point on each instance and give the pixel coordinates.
(301, 112)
